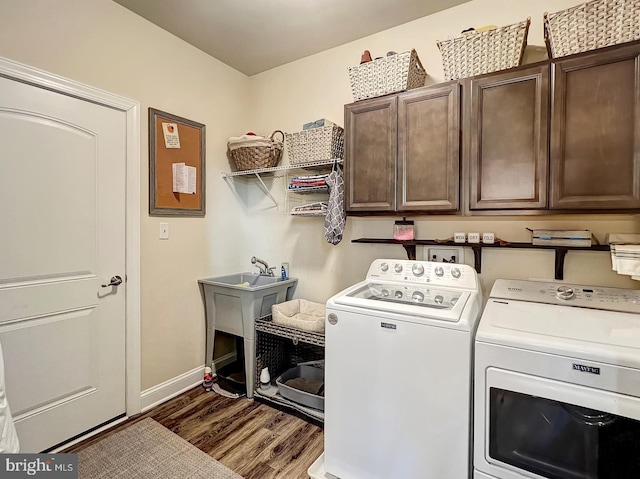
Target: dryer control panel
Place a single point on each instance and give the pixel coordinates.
(610, 299)
(423, 272)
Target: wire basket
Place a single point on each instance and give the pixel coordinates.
(591, 25)
(315, 144)
(484, 52)
(390, 74)
(262, 153)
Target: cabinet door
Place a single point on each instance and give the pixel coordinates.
(370, 163)
(595, 140)
(429, 149)
(508, 140)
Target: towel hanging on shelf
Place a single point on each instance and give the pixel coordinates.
(335, 219)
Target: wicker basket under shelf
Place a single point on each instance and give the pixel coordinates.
(390, 74)
(315, 144)
(254, 157)
(591, 25)
(484, 52)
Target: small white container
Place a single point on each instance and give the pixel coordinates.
(459, 237)
(474, 237)
(488, 238)
(265, 379)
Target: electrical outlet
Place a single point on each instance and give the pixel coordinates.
(445, 254)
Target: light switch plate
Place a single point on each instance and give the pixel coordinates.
(164, 231)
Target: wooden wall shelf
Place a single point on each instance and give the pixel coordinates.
(560, 251)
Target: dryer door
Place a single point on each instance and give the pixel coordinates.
(540, 427)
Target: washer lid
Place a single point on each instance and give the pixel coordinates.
(410, 299)
(606, 336)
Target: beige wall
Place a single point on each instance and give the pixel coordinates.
(102, 44)
(318, 87)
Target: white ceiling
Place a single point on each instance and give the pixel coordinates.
(256, 35)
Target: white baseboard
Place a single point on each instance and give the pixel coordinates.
(175, 386)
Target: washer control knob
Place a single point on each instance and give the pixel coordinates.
(384, 293)
(384, 267)
(398, 294)
(417, 269)
(417, 296)
(565, 292)
(397, 267)
(455, 272)
(439, 271)
(438, 299)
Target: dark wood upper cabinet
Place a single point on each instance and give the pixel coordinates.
(428, 149)
(370, 154)
(508, 126)
(402, 151)
(595, 131)
(558, 136)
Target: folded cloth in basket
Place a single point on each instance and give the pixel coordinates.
(300, 314)
(247, 140)
(247, 137)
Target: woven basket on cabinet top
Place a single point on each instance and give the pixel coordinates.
(390, 74)
(265, 154)
(591, 25)
(484, 52)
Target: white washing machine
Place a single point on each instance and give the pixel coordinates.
(398, 366)
(557, 383)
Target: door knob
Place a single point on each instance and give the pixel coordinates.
(115, 281)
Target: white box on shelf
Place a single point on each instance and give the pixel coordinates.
(488, 238)
(474, 238)
(459, 237)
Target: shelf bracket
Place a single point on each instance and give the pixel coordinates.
(477, 258)
(560, 254)
(266, 190)
(411, 250)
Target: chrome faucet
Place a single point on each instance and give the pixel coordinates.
(264, 267)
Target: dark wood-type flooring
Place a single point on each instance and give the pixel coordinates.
(254, 439)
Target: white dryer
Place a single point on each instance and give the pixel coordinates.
(398, 366)
(557, 383)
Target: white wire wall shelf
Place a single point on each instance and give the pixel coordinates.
(299, 166)
(279, 171)
(309, 189)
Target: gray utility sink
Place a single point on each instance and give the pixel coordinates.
(233, 302)
(243, 281)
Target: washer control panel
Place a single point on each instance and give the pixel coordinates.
(423, 272)
(410, 294)
(613, 299)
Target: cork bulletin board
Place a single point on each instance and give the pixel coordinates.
(176, 165)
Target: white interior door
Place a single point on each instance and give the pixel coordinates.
(62, 236)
